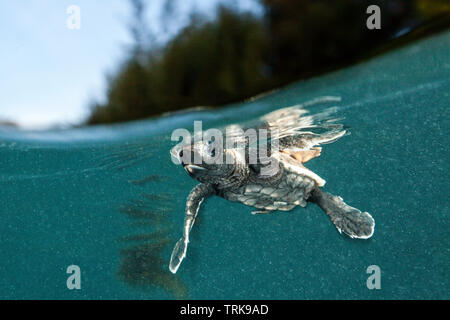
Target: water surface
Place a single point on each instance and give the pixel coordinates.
(109, 200)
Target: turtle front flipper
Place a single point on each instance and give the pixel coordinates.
(194, 200)
(351, 221)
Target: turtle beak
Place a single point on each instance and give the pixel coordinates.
(193, 170)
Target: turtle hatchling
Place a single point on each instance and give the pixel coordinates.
(236, 174)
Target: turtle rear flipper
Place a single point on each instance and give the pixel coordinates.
(351, 221)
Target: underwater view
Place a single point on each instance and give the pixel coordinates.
(109, 199)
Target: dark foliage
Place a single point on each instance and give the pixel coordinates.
(238, 54)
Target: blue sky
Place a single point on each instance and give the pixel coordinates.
(49, 73)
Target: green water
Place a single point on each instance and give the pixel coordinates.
(109, 200)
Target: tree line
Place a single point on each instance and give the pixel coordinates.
(236, 55)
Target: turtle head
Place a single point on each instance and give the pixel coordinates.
(208, 162)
